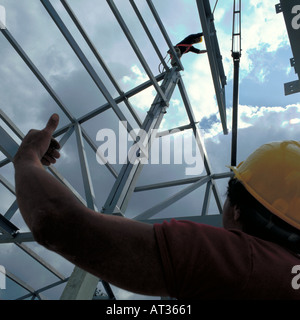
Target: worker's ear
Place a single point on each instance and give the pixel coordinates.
(236, 213)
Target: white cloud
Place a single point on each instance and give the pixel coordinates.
(144, 99)
(268, 32)
(262, 74)
(219, 14)
(262, 30)
(270, 119)
(288, 70)
(200, 88)
(291, 122)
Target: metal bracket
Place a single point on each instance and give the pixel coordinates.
(278, 8)
(7, 227)
(293, 62)
(292, 87)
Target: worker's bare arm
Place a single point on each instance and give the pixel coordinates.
(119, 250)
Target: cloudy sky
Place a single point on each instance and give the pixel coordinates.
(265, 113)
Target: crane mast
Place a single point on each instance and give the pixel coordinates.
(236, 55)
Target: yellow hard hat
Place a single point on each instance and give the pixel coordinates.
(272, 175)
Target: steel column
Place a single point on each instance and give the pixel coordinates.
(124, 185)
(214, 57)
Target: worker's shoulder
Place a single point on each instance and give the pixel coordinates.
(201, 232)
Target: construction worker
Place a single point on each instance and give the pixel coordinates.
(186, 45)
(255, 255)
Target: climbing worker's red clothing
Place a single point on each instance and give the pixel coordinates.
(205, 262)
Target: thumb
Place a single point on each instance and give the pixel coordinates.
(52, 124)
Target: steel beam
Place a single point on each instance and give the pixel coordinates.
(120, 99)
(86, 176)
(167, 184)
(11, 125)
(193, 123)
(180, 182)
(37, 292)
(7, 228)
(36, 72)
(7, 184)
(8, 145)
(291, 13)
(18, 238)
(206, 199)
(165, 34)
(100, 60)
(11, 210)
(214, 57)
(40, 260)
(153, 42)
(117, 201)
(136, 50)
(199, 142)
(174, 130)
(81, 286)
(79, 53)
(23, 285)
(94, 148)
(166, 203)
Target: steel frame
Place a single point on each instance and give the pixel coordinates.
(80, 284)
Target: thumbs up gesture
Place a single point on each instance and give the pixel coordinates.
(39, 145)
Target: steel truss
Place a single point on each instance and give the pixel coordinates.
(81, 285)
